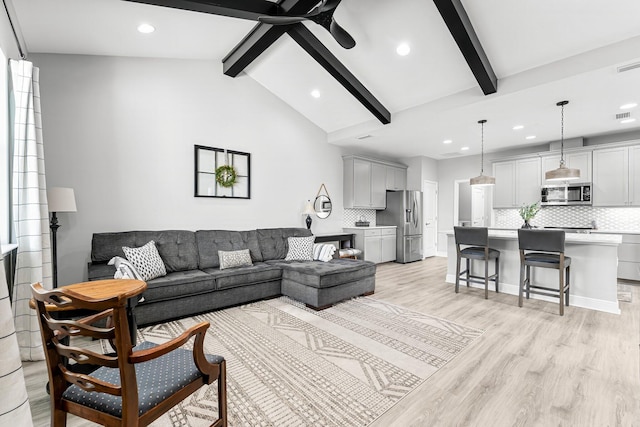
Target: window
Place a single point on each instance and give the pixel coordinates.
(4, 151)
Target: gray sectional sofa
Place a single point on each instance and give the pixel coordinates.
(195, 283)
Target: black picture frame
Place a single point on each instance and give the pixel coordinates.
(208, 159)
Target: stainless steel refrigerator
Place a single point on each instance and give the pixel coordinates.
(404, 210)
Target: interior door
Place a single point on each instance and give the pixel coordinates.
(477, 207)
(430, 218)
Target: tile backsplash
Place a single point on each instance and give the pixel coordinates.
(352, 215)
(613, 219)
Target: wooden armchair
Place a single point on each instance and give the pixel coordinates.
(136, 386)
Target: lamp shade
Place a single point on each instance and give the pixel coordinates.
(61, 199)
(482, 180)
(308, 209)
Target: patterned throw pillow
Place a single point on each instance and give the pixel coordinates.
(124, 269)
(229, 259)
(146, 260)
(323, 252)
(300, 248)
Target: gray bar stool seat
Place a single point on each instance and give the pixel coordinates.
(548, 247)
(477, 241)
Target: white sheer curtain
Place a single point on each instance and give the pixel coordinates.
(14, 402)
(30, 213)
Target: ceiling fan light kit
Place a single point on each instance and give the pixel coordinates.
(482, 179)
(563, 173)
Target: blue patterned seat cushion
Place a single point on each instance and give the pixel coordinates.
(157, 380)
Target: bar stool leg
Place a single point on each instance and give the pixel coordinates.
(497, 271)
(561, 279)
(521, 285)
(457, 273)
(528, 281)
(566, 296)
(486, 279)
(468, 272)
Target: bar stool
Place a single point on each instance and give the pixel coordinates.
(549, 247)
(477, 241)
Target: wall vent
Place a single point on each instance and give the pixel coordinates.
(621, 116)
(364, 137)
(628, 67)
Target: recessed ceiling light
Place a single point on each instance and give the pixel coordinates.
(447, 141)
(629, 120)
(403, 49)
(315, 93)
(531, 137)
(464, 148)
(628, 106)
(146, 28)
(518, 127)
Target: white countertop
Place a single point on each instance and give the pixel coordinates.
(576, 238)
(369, 228)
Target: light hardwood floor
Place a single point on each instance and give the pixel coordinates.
(531, 367)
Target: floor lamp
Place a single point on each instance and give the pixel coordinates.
(59, 200)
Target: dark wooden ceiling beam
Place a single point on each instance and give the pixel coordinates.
(457, 20)
(305, 38)
(244, 9)
(260, 38)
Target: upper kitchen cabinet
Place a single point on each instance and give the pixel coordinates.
(396, 178)
(517, 182)
(366, 182)
(578, 160)
(616, 176)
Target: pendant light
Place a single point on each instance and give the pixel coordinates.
(563, 173)
(482, 179)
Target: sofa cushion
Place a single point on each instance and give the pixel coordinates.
(320, 274)
(273, 241)
(242, 276)
(211, 241)
(178, 284)
(176, 247)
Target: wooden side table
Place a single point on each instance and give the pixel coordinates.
(101, 289)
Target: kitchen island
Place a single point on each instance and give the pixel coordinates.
(594, 264)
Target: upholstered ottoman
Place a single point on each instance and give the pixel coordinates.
(321, 284)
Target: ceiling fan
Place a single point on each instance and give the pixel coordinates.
(322, 15)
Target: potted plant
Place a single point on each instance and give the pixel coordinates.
(528, 212)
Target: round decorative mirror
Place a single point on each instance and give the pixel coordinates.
(322, 206)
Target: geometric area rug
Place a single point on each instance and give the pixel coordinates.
(288, 365)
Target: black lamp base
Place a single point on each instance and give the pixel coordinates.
(308, 222)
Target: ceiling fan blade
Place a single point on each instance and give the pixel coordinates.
(281, 20)
(343, 38)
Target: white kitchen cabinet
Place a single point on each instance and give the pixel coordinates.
(517, 182)
(629, 257)
(396, 178)
(378, 244)
(579, 160)
(616, 176)
(366, 182)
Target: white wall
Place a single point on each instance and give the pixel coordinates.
(121, 131)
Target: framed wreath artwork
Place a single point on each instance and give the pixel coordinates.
(222, 173)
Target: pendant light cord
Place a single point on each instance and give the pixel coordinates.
(481, 148)
(562, 134)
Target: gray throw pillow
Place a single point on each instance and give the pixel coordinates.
(146, 261)
(229, 259)
(300, 248)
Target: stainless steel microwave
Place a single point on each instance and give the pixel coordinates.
(565, 194)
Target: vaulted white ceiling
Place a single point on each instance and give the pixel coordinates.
(542, 51)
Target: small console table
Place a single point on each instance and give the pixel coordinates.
(346, 243)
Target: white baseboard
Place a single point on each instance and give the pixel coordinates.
(574, 300)
(441, 254)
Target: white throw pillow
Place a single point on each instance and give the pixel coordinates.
(300, 248)
(124, 269)
(229, 259)
(146, 261)
(323, 252)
